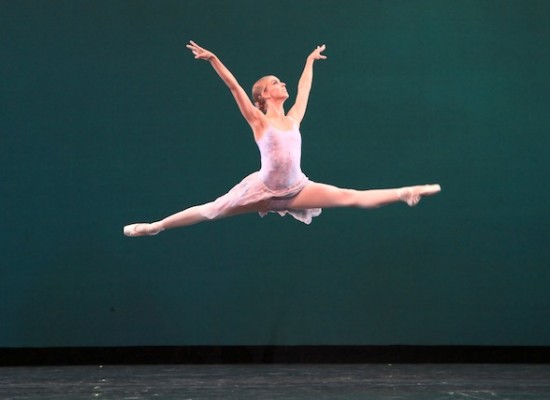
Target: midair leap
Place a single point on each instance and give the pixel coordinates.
(280, 185)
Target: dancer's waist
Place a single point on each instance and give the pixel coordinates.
(277, 180)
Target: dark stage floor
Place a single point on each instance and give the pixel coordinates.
(288, 382)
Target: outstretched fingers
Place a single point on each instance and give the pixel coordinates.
(195, 48)
(316, 54)
(198, 51)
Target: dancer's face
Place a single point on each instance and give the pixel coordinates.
(274, 88)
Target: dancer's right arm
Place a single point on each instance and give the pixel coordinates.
(254, 116)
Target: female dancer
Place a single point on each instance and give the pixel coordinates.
(280, 185)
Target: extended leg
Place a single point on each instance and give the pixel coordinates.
(318, 195)
(189, 216)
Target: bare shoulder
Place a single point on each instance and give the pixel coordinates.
(294, 117)
(259, 125)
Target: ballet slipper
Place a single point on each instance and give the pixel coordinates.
(412, 195)
(142, 229)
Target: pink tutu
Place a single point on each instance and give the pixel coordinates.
(252, 190)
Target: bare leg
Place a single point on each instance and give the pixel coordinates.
(189, 216)
(318, 195)
(314, 195)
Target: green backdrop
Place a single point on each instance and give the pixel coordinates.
(106, 119)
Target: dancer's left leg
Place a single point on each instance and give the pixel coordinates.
(319, 195)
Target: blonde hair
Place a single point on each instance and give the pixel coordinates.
(257, 98)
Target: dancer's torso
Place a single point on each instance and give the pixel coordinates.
(280, 155)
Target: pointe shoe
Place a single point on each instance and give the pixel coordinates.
(412, 195)
(143, 229)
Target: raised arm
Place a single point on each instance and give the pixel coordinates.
(298, 110)
(253, 116)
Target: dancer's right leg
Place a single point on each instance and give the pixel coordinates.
(190, 216)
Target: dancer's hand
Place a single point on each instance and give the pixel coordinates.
(199, 52)
(316, 54)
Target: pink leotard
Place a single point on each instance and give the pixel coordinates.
(277, 182)
(280, 153)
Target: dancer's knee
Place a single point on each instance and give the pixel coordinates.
(209, 211)
(220, 208)
(348, 198)
(214, 210)
(339, 197)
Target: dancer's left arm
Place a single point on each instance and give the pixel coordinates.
(298, 110)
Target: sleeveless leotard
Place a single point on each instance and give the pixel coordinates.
(279, 179)
(280, 153)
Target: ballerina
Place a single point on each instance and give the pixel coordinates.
(280, 185)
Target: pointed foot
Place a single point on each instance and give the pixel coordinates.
(142, 229)
(413, 194)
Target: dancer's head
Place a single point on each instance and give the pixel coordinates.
(267, 89)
